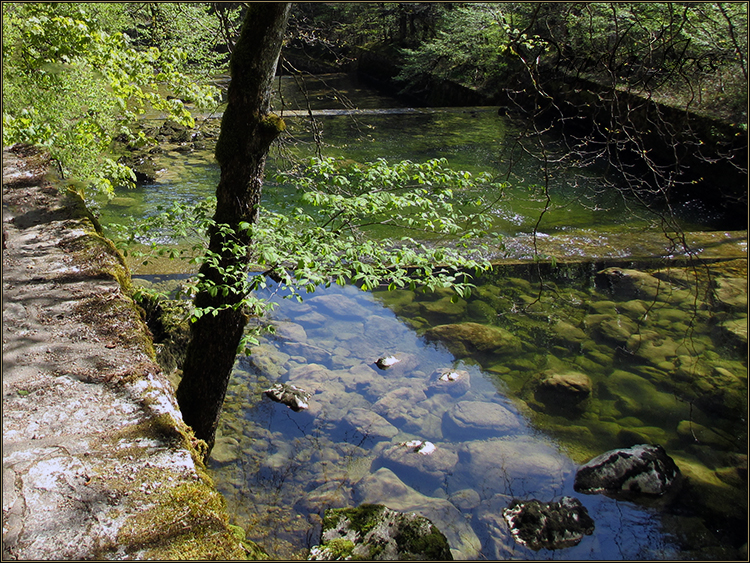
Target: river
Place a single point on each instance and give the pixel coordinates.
(665, 358)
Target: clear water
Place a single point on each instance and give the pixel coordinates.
(279, 469)
(476, 139)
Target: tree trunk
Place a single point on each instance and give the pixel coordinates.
(247, 131)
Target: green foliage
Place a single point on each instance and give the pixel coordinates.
(204, 31)
(329, 241)
(72, 86)
(469, 48)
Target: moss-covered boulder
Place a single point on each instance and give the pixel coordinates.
(465, 339)
(377, 533)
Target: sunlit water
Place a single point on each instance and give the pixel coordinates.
(280, 469)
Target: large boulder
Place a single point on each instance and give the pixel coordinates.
(642, 469)
(375, 532)
(465, 339)
(551, 525)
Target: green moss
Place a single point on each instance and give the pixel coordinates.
(273, 124)
(432, 546)
(340, 548)
(184, 522)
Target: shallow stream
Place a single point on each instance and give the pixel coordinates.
(664, 353)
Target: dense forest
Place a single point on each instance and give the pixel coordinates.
(76, 76)
(645, 101)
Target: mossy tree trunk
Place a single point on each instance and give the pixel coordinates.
(247, 131)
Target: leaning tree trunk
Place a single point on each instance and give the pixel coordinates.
(247, 131)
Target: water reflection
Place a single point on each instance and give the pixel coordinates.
(279, 469)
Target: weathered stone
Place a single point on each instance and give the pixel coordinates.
(290, 395)
(564, 389)
(383, 486)
(226, 450)
(268, 360)
(642, 469)
(455, 382)
(736, 329)
(653, 347)
(370, 424)
(476, 418)
(465, 339)
(377, 533)
(384, 362)
(552, 525)
(313, 377)
(617, 329)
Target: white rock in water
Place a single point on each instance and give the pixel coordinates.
(386, 362)
(450, 376)
(426, 449)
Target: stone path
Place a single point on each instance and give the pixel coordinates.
(97, 463)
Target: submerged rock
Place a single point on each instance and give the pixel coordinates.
(455, 382)
(291, 395)
(731, 293)
(627, 284)
(370, 424)
(642, 469)
(375, 532)
(419, 461)
(564, 389)
(552, 525)
(474, 419)
(465, 339)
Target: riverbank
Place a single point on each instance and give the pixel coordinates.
(97, 462)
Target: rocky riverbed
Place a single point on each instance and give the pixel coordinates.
(97, 463)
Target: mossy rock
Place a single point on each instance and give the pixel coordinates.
(375, 532)
(481, 311)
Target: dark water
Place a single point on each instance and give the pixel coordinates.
(666, 367)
